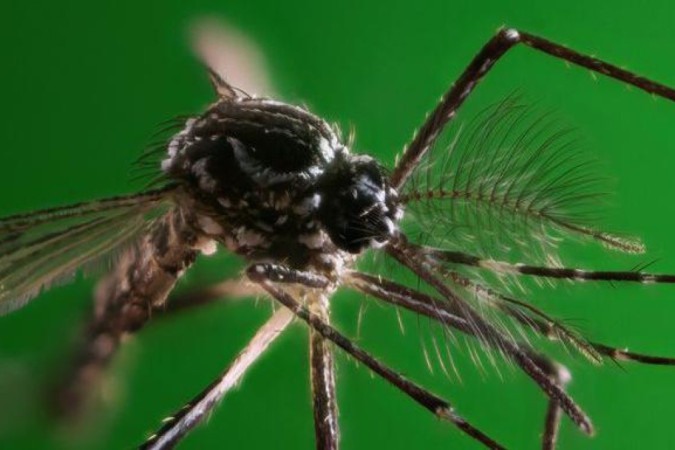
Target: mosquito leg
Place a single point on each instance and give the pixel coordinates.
(541, 323)
(322, 366)
(503, 41)
(488, 332)
(228, 289)
(543, 271)
(554, 413)
(176, 426)
(412, 300)
(552, 329)
(529, 316)
(321, 356)
(266, 274)
(322, 374)
(561, 376)
(538, 321)
(416, 301)
(618, 354)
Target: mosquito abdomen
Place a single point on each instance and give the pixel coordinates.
(140, 282)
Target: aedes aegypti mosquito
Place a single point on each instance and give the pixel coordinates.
(279, 186)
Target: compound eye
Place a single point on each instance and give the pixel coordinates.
(356, 211)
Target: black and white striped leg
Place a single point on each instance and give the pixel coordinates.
(618, 354)
(528, 316)
(412, 300)
(321, 356)
(554, 413)
(540, 322)
(502, 42)
(410, 258)
(546, 326)
(322, 374)
(175, 427)
(322, 365)
(564, 273)
(561, 376)
(263, 274)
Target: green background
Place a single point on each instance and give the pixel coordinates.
(83, 85)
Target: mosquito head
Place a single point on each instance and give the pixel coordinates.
(359, 209)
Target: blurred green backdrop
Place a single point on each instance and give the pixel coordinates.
(83, 85)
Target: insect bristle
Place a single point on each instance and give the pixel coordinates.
(510, 178)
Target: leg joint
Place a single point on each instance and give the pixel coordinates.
(281, 274)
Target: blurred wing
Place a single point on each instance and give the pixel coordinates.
(234, 61)
(45, 247)
(236, 68)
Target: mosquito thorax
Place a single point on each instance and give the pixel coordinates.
(271, 180)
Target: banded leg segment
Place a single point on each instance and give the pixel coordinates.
(502, 42)
(322, 375)
(412, 300)
(537, 320)
(415, 301)
(403, 296)
(402, 254)
(262, 273)
(322, 364)
(549, 439)
(544, 271)
(176, 426)
(561, 376)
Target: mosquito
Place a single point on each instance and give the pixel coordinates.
(280, 187)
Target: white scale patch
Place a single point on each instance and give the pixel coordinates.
(580, 274)
(338, 262)
(281, 220)
(263, 226)
(498, 266)
(391, 226)
(175, 145)
(206, 181)
(512, 34)
(206, 246)
(328, 148)
(313, 240)
(564, 374)
(249, 238)
(648, 279)
(308, 205)
(209, 226)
